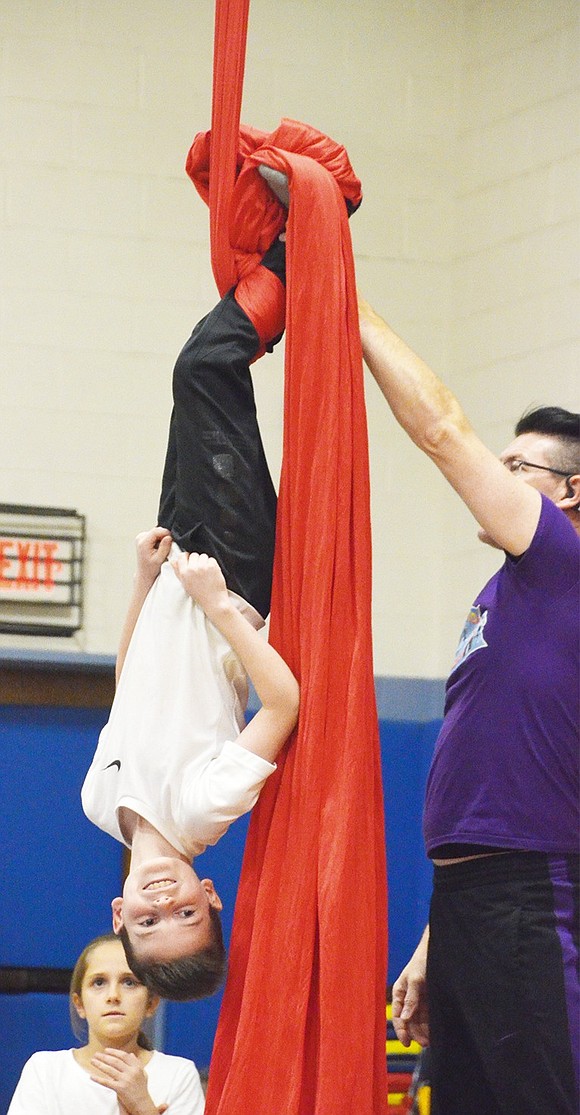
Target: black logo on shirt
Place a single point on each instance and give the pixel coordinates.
(116, 763)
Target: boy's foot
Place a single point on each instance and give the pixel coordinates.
(278, 183)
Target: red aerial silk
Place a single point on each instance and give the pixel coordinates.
(302, 1024)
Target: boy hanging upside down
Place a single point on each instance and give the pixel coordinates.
(176, 764)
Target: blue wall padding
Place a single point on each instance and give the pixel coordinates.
(28, 1023)
(406, 750)
(61, 872)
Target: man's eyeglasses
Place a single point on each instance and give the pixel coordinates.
(516, 465)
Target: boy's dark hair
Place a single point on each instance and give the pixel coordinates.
(564, 425)
(188, 977)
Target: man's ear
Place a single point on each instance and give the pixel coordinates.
(213, 897)
(117, 908)
(571, 501)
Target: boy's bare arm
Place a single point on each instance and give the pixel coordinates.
(153, 547)
(273, 680)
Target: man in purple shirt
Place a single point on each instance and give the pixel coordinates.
(493, 985)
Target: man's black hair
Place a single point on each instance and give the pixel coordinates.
(188, 977)
(563, 425)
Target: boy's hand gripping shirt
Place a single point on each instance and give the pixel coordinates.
(169, 752)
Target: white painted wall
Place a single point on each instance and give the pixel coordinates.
(461, 118)
(516, 307)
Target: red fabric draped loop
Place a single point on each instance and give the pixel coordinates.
(302, 1025)
(254, 217)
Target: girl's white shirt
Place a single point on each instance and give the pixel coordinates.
(53, 1083)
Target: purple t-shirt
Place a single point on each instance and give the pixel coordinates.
(505, 767)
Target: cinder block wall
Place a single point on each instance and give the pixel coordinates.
(485, 287)
(461, 118)
(516, 306)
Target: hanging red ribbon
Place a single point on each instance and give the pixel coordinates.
(302, 1025)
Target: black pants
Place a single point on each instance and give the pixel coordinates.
(502, 976)
(217, 495)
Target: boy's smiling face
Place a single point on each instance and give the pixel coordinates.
(165, 910)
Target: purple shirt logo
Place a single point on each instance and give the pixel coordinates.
(471, 637)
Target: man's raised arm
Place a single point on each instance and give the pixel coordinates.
(507, 510)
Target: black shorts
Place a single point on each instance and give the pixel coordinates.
(217, 494)
(502, 977)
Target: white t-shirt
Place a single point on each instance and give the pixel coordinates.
(168, 752)
(54, 1084)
